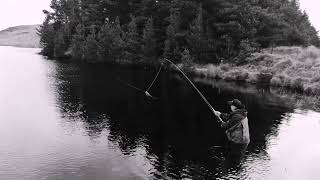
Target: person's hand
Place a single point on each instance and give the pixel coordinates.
(217, 113)
(223, 124)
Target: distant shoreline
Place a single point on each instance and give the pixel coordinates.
(24, 36)
(1, 45)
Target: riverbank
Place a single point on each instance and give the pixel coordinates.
(274, 94)
(294, 68)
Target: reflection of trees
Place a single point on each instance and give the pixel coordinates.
(67, 90)
(70, 99)
(178, 129)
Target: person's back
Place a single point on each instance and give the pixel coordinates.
(237, 128)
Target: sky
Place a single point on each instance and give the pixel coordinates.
(22, 12)
(25, 12)
(313, 9)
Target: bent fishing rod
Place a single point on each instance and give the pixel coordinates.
(198, 91)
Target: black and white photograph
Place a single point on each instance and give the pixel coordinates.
(159, 90)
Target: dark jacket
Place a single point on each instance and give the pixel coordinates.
(236, 125)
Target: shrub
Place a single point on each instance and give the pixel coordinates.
(243, 76)
(313, 89)
(267, 61)
(317, 65)
(264, 77)
(283, 65)
(287, 81)
(284, 50)
(186, 58)
(298, 83)
(239, 75)
(310, 53)
(225, 67)
(215, 72)
(246, 49)
(308, 90)
(252, 77)
(315, 79)
(201, 71)
(275, 81)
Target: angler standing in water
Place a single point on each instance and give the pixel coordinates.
(237, 129)
(235, 123)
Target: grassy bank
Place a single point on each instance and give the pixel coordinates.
(271, 95)
(295, 68)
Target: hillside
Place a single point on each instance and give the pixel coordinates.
(20, 36)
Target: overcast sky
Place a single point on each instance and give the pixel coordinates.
(313, 9)
(23, 12)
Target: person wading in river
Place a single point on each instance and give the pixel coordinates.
(237, 129)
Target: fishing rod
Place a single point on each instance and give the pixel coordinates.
(198, 91)
(144, 91)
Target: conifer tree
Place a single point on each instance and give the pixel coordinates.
(91, 46)
(170, 45)
(77, 43)
(132, 41)
(196, 40)
(186, 58)
(46, 33)
(59, 44)
(148, 41)
(210, 30)
(117, 42)
(105, 43)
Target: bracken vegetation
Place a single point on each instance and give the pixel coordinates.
(291, 67)
(273, 94)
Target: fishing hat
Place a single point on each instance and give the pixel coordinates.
(236, 103)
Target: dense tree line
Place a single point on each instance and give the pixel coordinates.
(201, 31)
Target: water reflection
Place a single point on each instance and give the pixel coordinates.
(177, 131)
(65, 121)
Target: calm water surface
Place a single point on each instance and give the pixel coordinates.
(77, 122)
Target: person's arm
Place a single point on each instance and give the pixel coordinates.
(235, 119)
(225, 116)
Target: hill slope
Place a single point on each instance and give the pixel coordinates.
(20, 36)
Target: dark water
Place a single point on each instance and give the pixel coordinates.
(66, 121)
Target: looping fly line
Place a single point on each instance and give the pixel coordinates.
(146, 92)
(155, 78)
